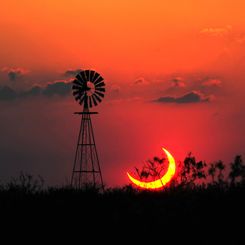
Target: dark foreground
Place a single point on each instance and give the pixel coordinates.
(212, 215)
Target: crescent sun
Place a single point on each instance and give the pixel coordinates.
(161, 182)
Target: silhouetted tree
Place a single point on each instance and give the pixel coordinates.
(152, 168)
(192, 170)
(26, 183)
(237, 170)
(212, 171)
(220, 166)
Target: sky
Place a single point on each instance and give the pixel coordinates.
(174, 74)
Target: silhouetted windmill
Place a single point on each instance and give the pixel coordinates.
(88, 90)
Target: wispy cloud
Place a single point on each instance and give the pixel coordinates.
(178, 82)
(216, 31)
(140, 81)
(212, 83)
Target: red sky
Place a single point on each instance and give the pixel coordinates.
(146, 51)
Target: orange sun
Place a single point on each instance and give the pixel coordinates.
(161, 182)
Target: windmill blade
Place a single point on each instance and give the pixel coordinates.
(87, 74)
(100, 84)
(77, 92)
(96, 75)
(80, 88)
(97, 97)
(78, 97)
(75, 87)
(77, 82)
(83, 76)
(79, 78)
(100, 79)
(90, 102)
(92, 76)
(94, 100)
(82, 99)
(100, 94)
(100, 89)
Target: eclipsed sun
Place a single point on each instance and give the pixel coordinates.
(161, 182)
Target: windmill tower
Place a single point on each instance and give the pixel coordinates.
(88, 90)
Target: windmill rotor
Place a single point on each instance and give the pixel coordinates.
(88, 88)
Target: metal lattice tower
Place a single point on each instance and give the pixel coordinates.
(88, 90)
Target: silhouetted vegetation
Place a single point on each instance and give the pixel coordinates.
(192, 173)
(204, 204)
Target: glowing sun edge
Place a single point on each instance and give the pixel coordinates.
(159, 183)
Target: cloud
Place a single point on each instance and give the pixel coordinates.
(212, 83)
(141, 81)
(61, 88)
(6, 93)
(191, 97)
(72, 72)
(217, 31)
(14, 73)
(33, 91)
(178, 82)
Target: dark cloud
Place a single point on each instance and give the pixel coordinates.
(60, 88)
(34, 91)
(191, 97)
(6, 93)
(14, 73)
(72, 73)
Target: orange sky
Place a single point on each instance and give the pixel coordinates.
(134, 36)
(145, 50)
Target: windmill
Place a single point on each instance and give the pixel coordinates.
(88, 90)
